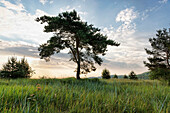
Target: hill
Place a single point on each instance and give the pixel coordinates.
(144, 75)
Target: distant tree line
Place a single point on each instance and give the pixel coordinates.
(106, 75)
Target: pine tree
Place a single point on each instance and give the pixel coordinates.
(84, 41)
(125, 77)
(115, 76)
(105, 74)
(132, 75)
(16, 69)
(159, 60)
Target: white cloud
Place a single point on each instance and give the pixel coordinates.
(43, 1)
(20, 25)
(127, 15)
(145, 14)
(131, 51)
(163, 1)
(46, 1)
(10, 6)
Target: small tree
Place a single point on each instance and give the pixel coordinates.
(115, 76)
(105, 74)
(16, 69)
(132, 75)
(125, 77)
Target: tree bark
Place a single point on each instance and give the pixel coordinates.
(167, 60)
(78, 71)
(78, 59)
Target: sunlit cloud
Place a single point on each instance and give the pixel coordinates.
(22, 25)
(43, 1)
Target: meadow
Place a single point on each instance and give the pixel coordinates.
(85, 95)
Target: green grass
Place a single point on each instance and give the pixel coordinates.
(87, 95)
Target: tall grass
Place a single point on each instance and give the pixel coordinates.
(88, 95)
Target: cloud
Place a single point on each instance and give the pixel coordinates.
(127, 16)
(10, 6)
(43, 1)
(59, 63)
(145, 14)
(130, 54)
(19, 24)
(46, 1)
(163, 1)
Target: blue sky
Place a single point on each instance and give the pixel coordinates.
(130, 22)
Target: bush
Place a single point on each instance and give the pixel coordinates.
(106, 74)
(125, 77)
(115, 76)
(16, 69)
(161, 74)
(133, 76)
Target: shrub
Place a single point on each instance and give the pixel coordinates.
(132, 75)
(115, 76)
(161, 74)
(125, 77)
(105, 74)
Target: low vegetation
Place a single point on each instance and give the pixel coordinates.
(133, 76)
(106, 74)
(85, 95)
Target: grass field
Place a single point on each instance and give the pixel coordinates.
(86, 95)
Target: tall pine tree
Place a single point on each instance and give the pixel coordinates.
(159, 60)
(85, 42)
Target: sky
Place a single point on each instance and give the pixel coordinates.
(129, 22)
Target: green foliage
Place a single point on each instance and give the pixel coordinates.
(16, 69)
(105, 74)
(85, 95)
(160, 73)
(115, 76)
(85, 42)
(125, 77)
(133, 76)
(159, 62)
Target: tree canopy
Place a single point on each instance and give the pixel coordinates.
(125, 77)
(115, 76)
(85, 42)
(132, 75)
(106, 74)
(159, 56)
